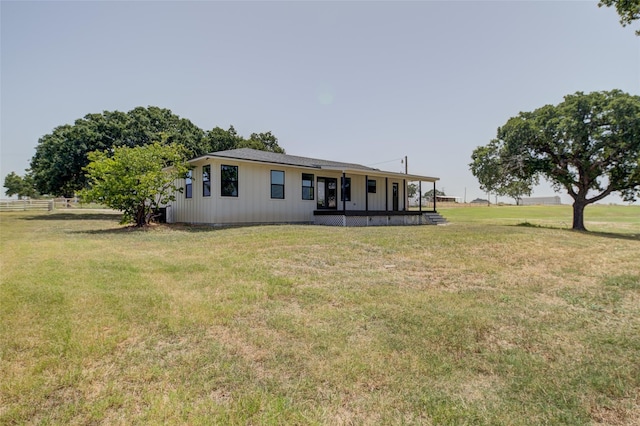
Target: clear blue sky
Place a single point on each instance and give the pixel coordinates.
(363, 82)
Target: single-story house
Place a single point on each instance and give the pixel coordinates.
(246, 186)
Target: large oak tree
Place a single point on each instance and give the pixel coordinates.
(588, 145)
(57, 166)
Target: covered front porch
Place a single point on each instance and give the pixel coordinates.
(386, 192)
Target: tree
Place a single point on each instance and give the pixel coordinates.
(629, 10)
(57, 166)
(589, 145)
(20, 186)
(263, 141)
(429, 194)
(136, 180)
(60, 157)
(412, 190)
(498, 173)
(219, 139)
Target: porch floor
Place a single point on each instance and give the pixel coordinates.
(376, 218)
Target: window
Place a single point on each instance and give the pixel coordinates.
(371, 186)
(188, 185)
(277, 184)
(206, 181)
(307, 186)
(229, 181)
(346, 189)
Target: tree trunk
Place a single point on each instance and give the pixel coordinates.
(578, 215)
(141, 217)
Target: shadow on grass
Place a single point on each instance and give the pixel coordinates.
(110, 231)
(613, 235)
(629, 237)
(154, 227)
(161, 228)
(115, 216)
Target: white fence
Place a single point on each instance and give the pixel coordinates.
(24, 205)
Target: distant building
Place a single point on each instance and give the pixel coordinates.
(480, 201)
(541, 201)
(439, 199)
(447, 199)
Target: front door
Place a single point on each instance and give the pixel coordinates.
(396, 199)
(327, 193)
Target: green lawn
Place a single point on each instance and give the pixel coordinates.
(601, 218)
(478, 322)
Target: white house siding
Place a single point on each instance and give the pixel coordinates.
(254, 203)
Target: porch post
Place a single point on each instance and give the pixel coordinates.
(434, 196)
(386, 194)
(404, 192)
(366, 192)
(420, 195)
(344, 199)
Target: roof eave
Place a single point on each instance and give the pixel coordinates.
(250, 160)
(351, 170)
(382, 173)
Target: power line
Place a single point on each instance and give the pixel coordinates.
(384, 162)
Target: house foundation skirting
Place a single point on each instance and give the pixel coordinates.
(369, 218)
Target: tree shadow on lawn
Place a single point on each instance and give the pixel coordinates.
(154, 227)
(115, 216)
(613, 235)
(172, 227)
(629, 237)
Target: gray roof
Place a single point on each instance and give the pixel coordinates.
(248, 154)
(291, 160)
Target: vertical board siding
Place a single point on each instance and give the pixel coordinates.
(254, 203)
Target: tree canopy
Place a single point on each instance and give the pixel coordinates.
(57, 166)
(629, 10)
(20, 186)
(429, 194)
(589, 145)
(135, 180)
(60, 157)
(219, 139)
(497, 172)
(264, 142)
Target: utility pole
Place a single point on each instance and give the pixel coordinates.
(406, 198)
